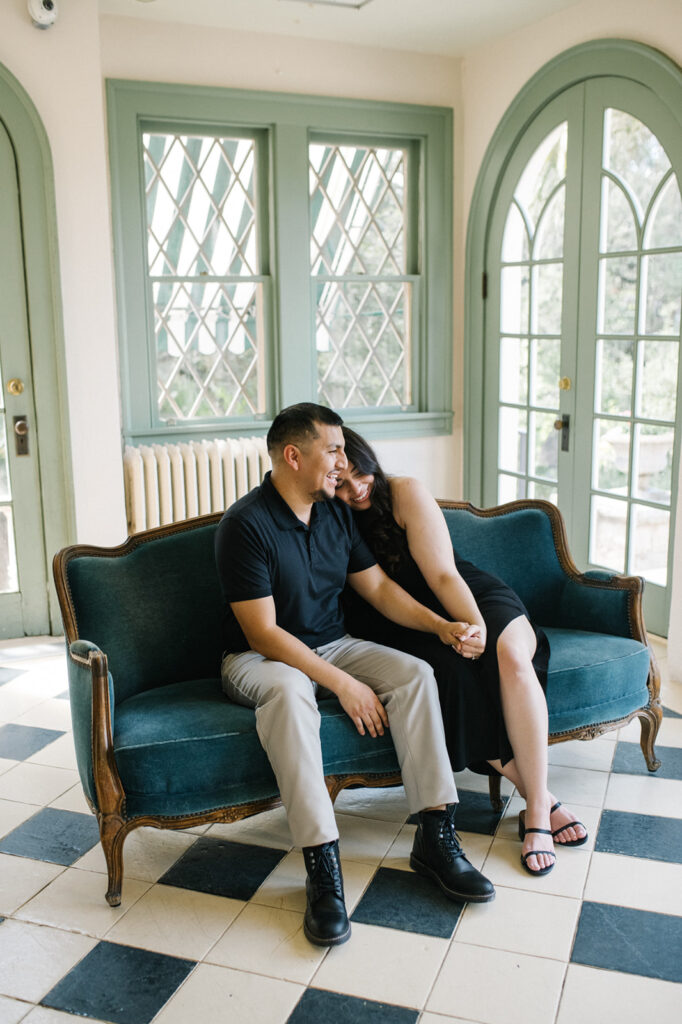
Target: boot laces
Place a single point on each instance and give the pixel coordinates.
(448, 837)
(326, 872)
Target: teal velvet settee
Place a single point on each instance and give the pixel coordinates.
(158, 743)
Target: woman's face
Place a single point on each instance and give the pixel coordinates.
(355, 488)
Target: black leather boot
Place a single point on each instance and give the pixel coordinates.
(326, 921)
(437, 854)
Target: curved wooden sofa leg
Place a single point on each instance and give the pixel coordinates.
(112, 836)
(494, 783)
(651, 719)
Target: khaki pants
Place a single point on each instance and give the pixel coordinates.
(288, 724)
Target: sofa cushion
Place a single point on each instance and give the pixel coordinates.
(185, 748)
(593, 677)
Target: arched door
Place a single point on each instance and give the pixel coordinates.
(582, 327)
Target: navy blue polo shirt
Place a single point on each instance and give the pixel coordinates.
(264, 550)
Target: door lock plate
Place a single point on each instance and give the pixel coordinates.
(21, 435)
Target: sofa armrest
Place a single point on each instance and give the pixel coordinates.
(603, 602)
(91, 692)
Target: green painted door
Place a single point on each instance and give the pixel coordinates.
(582, 392)
(23, 575)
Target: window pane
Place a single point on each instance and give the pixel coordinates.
(634, 154)
(611, 456)
(514, 370)
(514, 300)
(657, 380)
(209, 341)
(362, 339)
(617, 294)
(515, 242)
(357, 202)
(512, 440)
(510, 488)
(543, 172)
(9, 581)
(608, 519)
(5, 492)
(546, 354)
(664, 227)
(200, 196)
(547, 298)
(649, 543)
(661, 293)
(547, 492)
(549, 239)
(544, 451)
(653, 463)
(618, 229)
(613, 377)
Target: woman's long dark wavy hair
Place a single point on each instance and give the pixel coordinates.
(377, 525)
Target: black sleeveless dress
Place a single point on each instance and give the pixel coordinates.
(469, 690)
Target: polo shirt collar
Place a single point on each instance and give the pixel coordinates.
(278, 508)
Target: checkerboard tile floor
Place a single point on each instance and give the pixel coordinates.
(210, 924)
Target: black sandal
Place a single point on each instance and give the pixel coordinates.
(523, 832)
(562, 828)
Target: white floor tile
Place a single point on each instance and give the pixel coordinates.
(267, 829)
(21, 879)
(594, 755)
(41, 1015)
(6, 763)
(509, 825)
(641, 795)
(34, 959)
(72, 800)
(398, 855)
(214, 995)
(479, 783)
(592, 996)
(14, 813)
(503, 867)
(60, 754)
(522, 922)
(147, 854)
(264, 940)
(284, 888)
(635, 882)
(14, 703)
(578, 785)
(497, 987)
(75, 901)
(364, 839)
(384, 803)
(176, 921)
(669, 735)
(49, 714)
(383, 964)
(35, 783)
(440, 1018)
(12, 1010)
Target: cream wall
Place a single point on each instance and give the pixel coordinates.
(60, 71)
(491, 78)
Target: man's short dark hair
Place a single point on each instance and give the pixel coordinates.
(296, 424)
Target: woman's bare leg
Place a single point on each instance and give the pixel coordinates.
(562, 816)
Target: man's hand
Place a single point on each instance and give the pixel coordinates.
(363, 707)
(466, 639)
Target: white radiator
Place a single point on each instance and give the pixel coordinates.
(165, 483)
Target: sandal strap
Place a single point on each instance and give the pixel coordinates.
(534, 853)
(562, 828)
(557, 805)
(544, 831)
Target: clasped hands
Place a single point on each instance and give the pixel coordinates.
(467, 639)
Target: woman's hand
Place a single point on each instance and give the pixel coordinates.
(465, 638)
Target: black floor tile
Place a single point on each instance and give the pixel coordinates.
(474, 813)
(669, 713)
(119, 984)
(316, 1005)
(640, 835)
(8, 674)
(223, 868)
(17, 742)
(63, 696)
(628, 760)
(60, 837)
(408, 902)
(633, 941)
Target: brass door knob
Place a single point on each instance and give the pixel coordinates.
(15, 386)
(565, 384)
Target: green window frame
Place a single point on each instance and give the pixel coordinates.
(284, 126)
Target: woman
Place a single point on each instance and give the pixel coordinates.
(492, 696)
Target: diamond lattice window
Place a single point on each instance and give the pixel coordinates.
(361, 288)
(203, 265)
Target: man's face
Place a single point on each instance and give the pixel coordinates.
(322, 459)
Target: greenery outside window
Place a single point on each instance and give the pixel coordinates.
(273, 249)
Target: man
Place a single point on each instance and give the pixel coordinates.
(284, 553)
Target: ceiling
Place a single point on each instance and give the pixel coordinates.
(444, 27)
